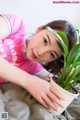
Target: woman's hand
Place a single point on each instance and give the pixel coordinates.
(44, 92)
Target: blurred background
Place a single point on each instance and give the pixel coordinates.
(40, 12)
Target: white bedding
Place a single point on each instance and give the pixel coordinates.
(20, 105)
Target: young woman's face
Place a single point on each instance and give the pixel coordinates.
(42, 47)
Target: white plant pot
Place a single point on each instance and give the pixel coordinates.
(68, 98)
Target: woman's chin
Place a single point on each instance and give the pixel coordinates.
(30, 58)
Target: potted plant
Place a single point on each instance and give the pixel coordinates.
(69, 76)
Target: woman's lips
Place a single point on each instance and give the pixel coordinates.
(33, 55)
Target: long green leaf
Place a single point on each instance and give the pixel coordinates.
(74, 54)
(63, 48)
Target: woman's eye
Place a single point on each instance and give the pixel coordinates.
(45, 41)
(52, 55)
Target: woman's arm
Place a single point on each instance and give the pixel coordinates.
(40, 89)
(12, 73)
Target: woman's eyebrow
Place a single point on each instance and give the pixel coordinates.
(48, 39)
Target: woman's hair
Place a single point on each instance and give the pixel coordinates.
(65, 26)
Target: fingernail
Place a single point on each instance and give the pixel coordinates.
(56, 109)
(62, 99)
(62, 105)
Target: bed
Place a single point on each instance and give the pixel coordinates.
(20, 105)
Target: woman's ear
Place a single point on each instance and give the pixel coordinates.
(39, 29)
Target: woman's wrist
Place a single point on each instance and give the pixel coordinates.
(29, 81)
(25, 81)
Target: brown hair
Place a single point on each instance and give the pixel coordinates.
(65, 26)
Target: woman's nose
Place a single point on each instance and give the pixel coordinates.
(41, 51)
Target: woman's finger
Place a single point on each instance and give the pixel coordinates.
(49, 102)
(55, 99)
(56, 92)
(41, 100)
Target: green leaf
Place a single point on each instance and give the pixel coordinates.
(64, 38)
(63, 48)
(71, 68)
(74, 54)
(63, 43)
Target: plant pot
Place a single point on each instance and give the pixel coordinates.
(68, 98)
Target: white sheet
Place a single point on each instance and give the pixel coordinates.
(20, 105)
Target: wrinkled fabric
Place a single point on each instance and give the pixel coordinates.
(20, 105)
